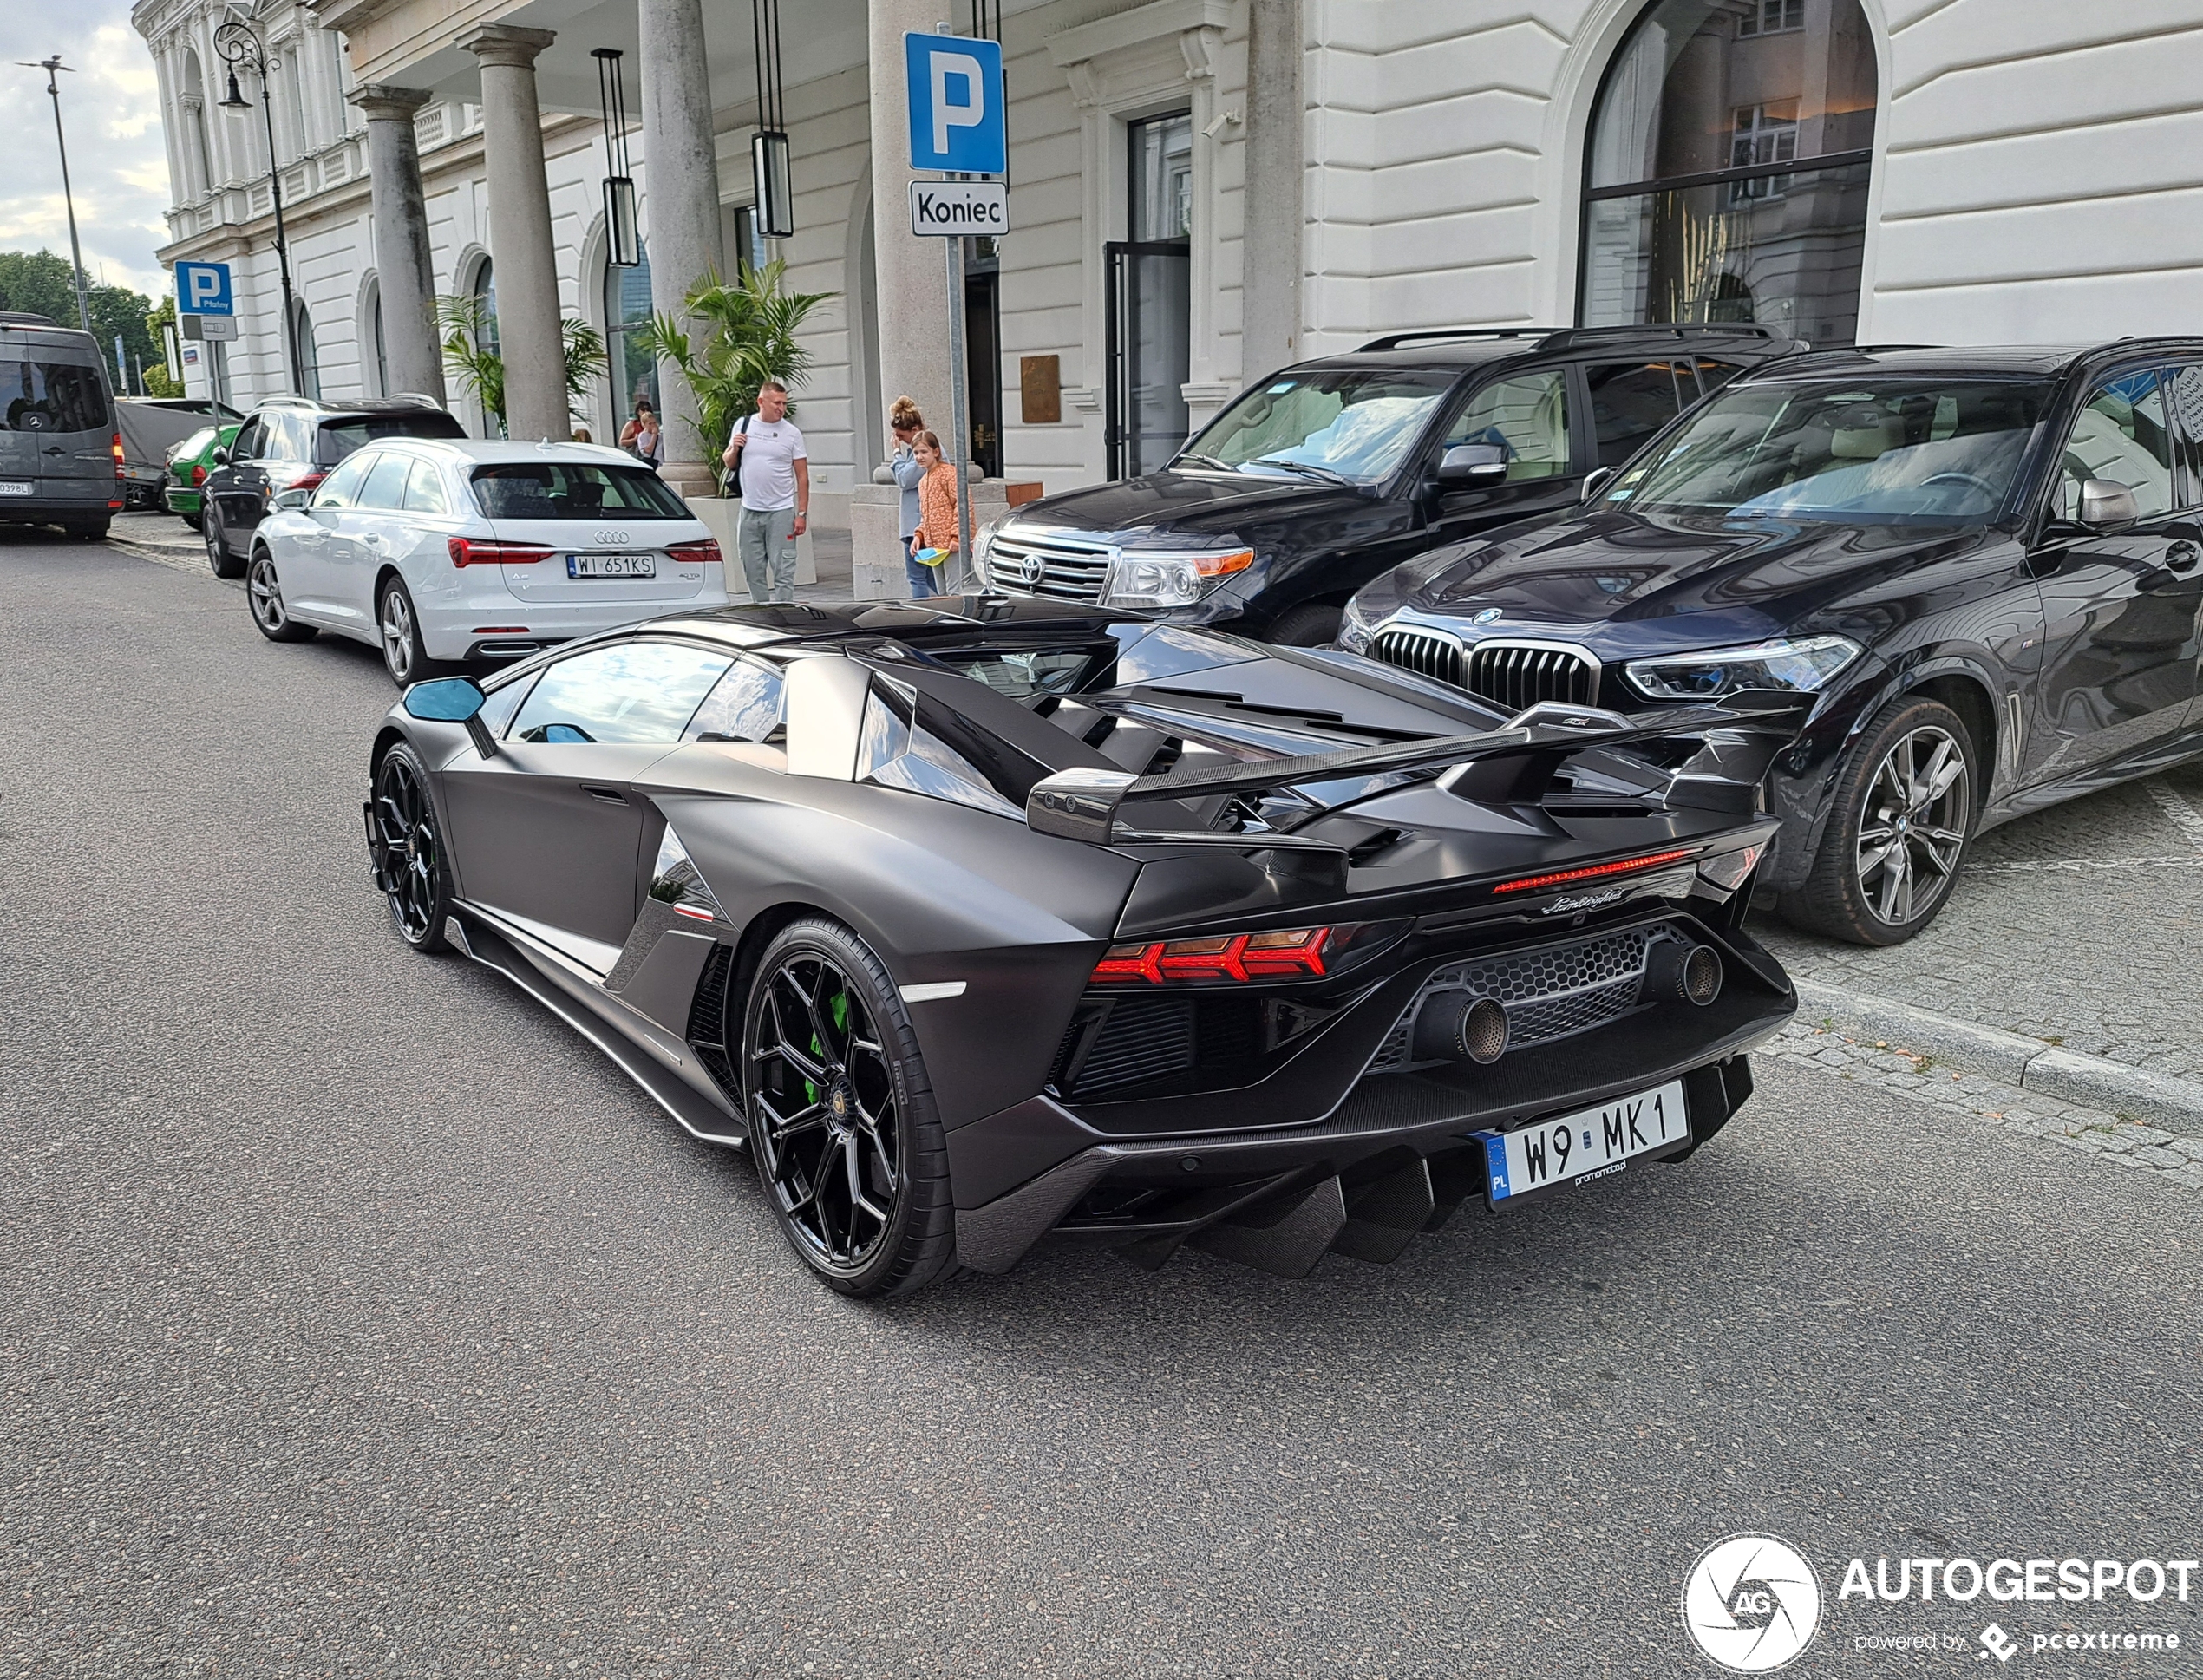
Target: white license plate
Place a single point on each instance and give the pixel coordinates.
(1584, 1146)
(612, 565)
(15, 486)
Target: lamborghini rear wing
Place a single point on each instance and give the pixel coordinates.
(1512, 764)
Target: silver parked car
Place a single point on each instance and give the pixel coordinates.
(444, 552)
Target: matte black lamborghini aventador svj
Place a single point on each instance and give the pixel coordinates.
(980, 922)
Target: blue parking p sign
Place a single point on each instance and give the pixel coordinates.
(203, 288)
(957, 124)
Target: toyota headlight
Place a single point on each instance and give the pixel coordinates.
(1166, 580)
(1356, 626)
(982, 544)
(1803, 664)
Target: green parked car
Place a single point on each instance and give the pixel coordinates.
(188, 465)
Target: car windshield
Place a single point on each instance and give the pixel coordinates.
(573, 490)
(340, 437)
(1337, 422)
(1938, 450)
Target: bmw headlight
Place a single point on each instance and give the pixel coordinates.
(1356, 626)
(1804, 664)
(982, 544)
(1165, 580)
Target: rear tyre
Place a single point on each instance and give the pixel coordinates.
(405, 848)
(197, 521)
(89, 530)
(1311, 626)
(841, 1116)
(264, 594)
(1898, 830)
(398, 629)
(225, 563)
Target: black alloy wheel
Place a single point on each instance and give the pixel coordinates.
(264, 594)
(407, 850)
(225, 563)
(1898, 831)
(842, 1118)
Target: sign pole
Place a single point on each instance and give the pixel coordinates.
(959, 408)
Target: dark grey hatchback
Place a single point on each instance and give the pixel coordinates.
(1984, 567)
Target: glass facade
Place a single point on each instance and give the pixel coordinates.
(1152, 297)
(1728, 168)
(627, 307)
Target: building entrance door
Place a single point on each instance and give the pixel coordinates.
(1150, 299)
(983, 354)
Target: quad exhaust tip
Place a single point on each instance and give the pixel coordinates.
(1457, 1025)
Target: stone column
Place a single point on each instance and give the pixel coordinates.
(1271, 252)
(405, 274)
(909, 277)
(681, 210)
(528, 325)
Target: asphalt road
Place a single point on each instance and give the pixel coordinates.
(359, 1320)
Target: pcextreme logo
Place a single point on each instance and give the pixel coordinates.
(1752, 1602)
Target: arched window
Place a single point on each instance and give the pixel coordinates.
(302, 339)
(1727, 173)
(627, 306)
(378, 370)
(486, 289)
(200, 164)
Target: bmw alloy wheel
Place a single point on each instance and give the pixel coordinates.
(1913, 826)
(823, 1099)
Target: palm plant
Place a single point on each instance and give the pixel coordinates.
(469, 329)
(746, 334)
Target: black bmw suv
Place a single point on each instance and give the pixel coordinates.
(289, 443)
(1327, 472)
(1982, 570)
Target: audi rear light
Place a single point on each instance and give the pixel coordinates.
(706, 552)
(1293, 954)
(479, 551)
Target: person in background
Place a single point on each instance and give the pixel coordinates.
(581, 434)
(641, 437)
(937, 509)
(907, 423)
(775, 472)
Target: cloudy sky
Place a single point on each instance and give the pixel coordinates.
(116, 161)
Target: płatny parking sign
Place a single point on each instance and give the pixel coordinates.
(949, 208)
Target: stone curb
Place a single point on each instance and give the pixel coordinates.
(2090, 1082)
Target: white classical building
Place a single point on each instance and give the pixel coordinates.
(1199, 190)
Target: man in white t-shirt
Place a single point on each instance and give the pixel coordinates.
(776, 494)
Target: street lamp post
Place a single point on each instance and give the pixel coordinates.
(238, 45)
(75, 256)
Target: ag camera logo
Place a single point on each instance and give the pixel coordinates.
(1752, 1602)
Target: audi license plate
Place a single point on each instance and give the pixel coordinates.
(15, 486)
(1589, 1145)
(612, 565)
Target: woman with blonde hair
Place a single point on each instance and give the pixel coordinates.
(904, 420)
(936, 536)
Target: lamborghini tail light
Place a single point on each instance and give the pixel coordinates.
(1593, 871)
(479, 551)
(1291, 954)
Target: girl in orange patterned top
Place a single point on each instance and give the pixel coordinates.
(936, 506)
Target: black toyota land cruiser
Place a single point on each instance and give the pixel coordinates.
(1324, 474)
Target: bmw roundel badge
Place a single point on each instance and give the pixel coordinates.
(1486, 617)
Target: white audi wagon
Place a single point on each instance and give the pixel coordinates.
(459, 552)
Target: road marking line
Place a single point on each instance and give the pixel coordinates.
(2185, 817)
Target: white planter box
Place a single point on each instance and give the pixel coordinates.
(720, 513)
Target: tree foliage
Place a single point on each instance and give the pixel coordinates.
(746, 334)
(40, 282)
(469, 331)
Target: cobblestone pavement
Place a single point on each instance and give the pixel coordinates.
(2078, 925)
(2117, 1138)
